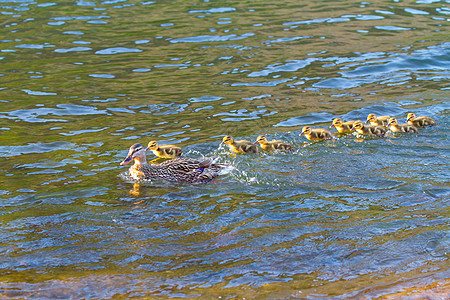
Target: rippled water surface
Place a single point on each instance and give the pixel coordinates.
(352, 217)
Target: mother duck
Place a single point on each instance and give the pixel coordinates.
(182, 169)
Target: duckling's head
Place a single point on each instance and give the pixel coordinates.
(410, 116)
(392, 121)
(152, 145)
(336, 123)
(137, 152)
(357, 125)
(261, 140)
(306, 130)
(227, 140)
(371, 118)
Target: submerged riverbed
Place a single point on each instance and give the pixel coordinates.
(80, 82)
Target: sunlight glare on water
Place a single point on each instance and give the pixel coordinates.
(352, 217)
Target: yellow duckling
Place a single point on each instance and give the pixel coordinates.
(420, 121)
(166, 151)
(377, 121)
(362, 129)
(342, 127)
(272, 145)
(240, 147)
(395, 127)
(315, 134)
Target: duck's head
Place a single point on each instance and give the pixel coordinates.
(152, 145)
(227, 140)
(392, 121)
(357, 125)
(261, 140)
(410, 116)
(336, 123)
(371, 118)
(306, 130)
(136, 152)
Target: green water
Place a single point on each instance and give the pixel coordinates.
(81, 81)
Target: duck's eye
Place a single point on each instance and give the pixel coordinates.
(137, 150)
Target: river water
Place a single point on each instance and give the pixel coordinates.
(81, 81)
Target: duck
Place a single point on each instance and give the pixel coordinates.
(362, 129)
(342, 127)
(272, 145)
(315, 134)
(421, 121)
(377, 121)
(166, 151)
(239, 147)
(395, 127)
(179, 169)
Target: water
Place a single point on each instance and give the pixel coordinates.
(349, 218)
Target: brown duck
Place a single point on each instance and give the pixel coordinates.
(180, 169)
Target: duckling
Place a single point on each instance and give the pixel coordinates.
(395, 127)
(420, 121)
(362, 129)
(240, 147)
(377, 121)
(342, 127)
(315, 134)
(180, 169)
(166, 151)
(272, 145)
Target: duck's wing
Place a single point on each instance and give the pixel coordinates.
(251, 148)
(323, 134)
(174, 151)
(195, 170)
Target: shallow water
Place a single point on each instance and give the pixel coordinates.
(347, 218)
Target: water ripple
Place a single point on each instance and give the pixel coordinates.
(212, 38)
(31, 115)
(117, 50)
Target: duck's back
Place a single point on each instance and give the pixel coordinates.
(422, 121)
(376, 130)
(346, 127)
(168, 151)
(244, 146)
(186, 170)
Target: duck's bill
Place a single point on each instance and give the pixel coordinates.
(332, 125)
(367, 122)
(146, 149)
(126, 160)
(256, 143)
(301, 134)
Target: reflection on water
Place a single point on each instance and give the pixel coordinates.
(350, 217)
